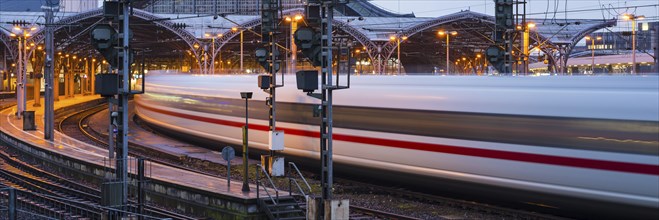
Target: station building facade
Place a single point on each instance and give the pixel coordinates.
(243, 7)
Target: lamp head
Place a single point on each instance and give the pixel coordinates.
(246, 95)
(626, 17)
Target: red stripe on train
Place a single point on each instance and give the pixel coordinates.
(494, 154)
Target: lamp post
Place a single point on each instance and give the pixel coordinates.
(398, 39)
(592, 40)
(442, 33)
(525, 46)
(633, 18)
(212, 36)
(241, 46)
(292, 66)
(22, 34)
(246, 96)
(478, 64)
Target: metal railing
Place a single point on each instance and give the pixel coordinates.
(291, 180)
(259, 183)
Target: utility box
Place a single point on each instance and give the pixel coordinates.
(264, 81)
(333, 209)
(107, 84)
(337, 209)
(276, 139)
(111, 194)
(273, 164)
(28, 121)
(307, 80)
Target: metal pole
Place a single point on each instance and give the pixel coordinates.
(526, 48)
(634, 45)
(67, 75)
(293, 47)
(213, 56)
(245, 147)
(92, 78)
(241, 51)
(592, 49)
(49, 99)
(140, 188)
(326, 104)
(111, 144)
(123, 108)
(12, 204)
(19, 80)
(447, 53)
(398, 56)
(36, 82)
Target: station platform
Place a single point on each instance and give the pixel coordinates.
(99, 122)
(5, 103)
(64, 145)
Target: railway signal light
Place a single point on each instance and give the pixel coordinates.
(104, 39)
(308, 40)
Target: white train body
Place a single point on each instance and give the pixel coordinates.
(583, 137)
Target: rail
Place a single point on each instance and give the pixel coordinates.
(259, 183)
(291, 180)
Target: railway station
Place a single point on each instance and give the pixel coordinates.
(328, 109)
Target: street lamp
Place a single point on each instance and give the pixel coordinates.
(442, 33)
(246, 96)
(478, 64)
(234, 29)
(212, 36)
(526, 44)
(293, 20)
(22, 34)
(398, 39)
(592, 40)
(633, 18)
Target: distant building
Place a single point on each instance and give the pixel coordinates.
(78, 5)
(243, 7)
(252, 7)
(619, 42)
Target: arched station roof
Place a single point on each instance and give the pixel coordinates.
(371, 32)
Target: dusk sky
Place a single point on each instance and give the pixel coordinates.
(434, 8)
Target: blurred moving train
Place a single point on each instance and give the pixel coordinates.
(593, 139)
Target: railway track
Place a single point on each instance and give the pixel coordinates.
(75, 126)
(471, 208)
(50, 195)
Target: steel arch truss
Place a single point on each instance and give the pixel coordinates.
(389, 47)
(187, 37)
(372, 47)
(563, 57)
(8, 42)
